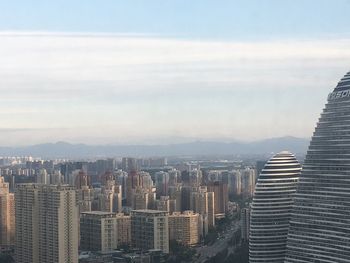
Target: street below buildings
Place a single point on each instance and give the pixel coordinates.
(206, 252)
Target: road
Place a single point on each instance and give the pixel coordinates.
(208, 251)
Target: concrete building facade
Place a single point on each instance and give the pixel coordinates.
(7, 216)
(184, 227)
(150, 230)
(46, 223)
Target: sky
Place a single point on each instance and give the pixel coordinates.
(161, 71)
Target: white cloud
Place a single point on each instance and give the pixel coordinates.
(122, 87)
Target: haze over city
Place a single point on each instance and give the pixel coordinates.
(154, 72)
(174, 131)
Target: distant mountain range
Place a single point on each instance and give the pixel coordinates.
(67, 150)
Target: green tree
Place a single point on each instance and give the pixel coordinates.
(180, 253)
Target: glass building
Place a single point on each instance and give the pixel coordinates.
(320, 224)
(271, 208)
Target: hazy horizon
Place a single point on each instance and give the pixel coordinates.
(161, 141)
(150, 72)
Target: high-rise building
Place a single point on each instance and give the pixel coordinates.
(145, 180)
(175, 193)
(195, 177)
(43, 177)
(220, 196)
(149, 230)
(110, 198)
(183, 227)
(56, 177)
(172, 206)
(162, 183)
(46, 224)
(272, 207)
(132, 182)
(7, 216)
(129, 164)
(248, 182)
(186, 192)
(211, 208)
(120, 177)
(235, 182)
(163, 204)
(158, 162)
(151, 198)
(203, 202)
(84, 191)
(98, 231)
(174, 177)
(214, 176)
(245, 223)
(103, 166)
(140, 199)
(320, 225)
(123, 229)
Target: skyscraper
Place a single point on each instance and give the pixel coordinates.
(320, 225)
(46, 224)
(7, 216)
(271, 208)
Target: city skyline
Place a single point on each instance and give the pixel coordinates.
(174, 131)
(142, 78)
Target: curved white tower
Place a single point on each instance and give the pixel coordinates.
(320, 225)
(271, 208)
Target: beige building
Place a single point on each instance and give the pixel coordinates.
(110, 198)
(166, 204)
(248, 182)
(7, 216)
(46, 223)
(163, 204)
(84, 191)
(104, 231)
(184, 227)
(149, 230)
(132, 182)
(140, 199)
(123, 229)
(203, 202)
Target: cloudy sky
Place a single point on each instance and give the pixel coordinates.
(158, 71)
